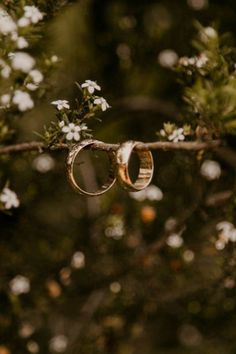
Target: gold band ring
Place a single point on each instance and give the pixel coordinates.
(146, 167)
(76, 149)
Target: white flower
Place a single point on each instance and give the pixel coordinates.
(162, 132)
(22, 61)
(33, 347)
(151, 193)
(33, 14)
(115, 287)
(60, 104)
(219, 245)
(232, 235)
(5, 69)
(9, 199)
(54, 58)
(43, 163)
(26, 330)
(5, 99)
(36, 76)
(23, 22)
(201, 60)
(171, 224)
(154, 193)
(7, 25)
(21, 43)
(91, 86)
(227, 231)
(177, 135)
(22, 100)
(167, 58)
(175, 241)
(100, 101)
(72, 131)
(31, 87)
(198, 4)
(188, 256)
(19, 285)
(78, 260)
(139, 196)
(224, 226)
(14, 36)
(210, 170)
(185, 61)
(58, 344)
(208, 33)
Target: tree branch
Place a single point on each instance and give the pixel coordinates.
(157, 145)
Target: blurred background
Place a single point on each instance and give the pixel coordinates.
(121, 274)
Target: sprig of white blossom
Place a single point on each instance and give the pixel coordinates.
(226, 233)
(172, 133)
(9, 199)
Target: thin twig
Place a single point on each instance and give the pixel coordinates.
(156, 145)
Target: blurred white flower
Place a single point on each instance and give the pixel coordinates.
(36, 76)
(232, 235)
(7, 25)
(224, 226)
(61, 104)
(198, 4)
(33, 347)
(5, 99)
(219, 245)
(208, 33)
(201, 60)
(22, 61)
(19, 285)
(100, 101)
(188, 256)
(91, 86)
(189, 336)
(9, 199)
(174, 241)
(58, 344)
(43, 163)
(185, 61)
(229, 283)
(26, 330)
(170, 224)
(140, 196)
(210, 170)
(115, 228)
(5, 69)
(78, 260)
(177, 135)
(115, 287)
(226, 233)
(31, 87)
(152, 193)
(21, 43)
(72, 131)
(54, 58)
(23, 22)
(22, 100)
(33, 14)
(167, 58)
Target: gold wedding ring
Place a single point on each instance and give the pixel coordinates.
(146, 166)
(76, 149)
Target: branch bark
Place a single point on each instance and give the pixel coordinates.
(156, 145)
